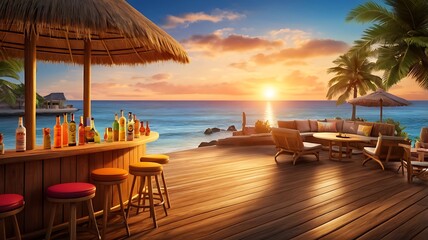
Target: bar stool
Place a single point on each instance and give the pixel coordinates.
(161, 159)
(72, 193)
(110, 177)
(146, 170)
(10, 205)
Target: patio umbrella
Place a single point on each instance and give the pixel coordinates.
(107, 32)
(381, 99)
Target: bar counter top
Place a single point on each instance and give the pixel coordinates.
(11, 156)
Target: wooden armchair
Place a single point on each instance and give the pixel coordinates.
(289, 141)
(423, 141)
(387, 148)
(412, 165)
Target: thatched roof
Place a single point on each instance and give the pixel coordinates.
(374, 100)
(118, 33)
(58, 96)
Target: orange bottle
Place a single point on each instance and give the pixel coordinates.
(65, 131)
(57, 133)
(81, 132)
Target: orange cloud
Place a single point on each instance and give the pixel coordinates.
(213, 43)
(294, 37)
(243, 66)
(161, 76)
(312, 48)
(188, 18)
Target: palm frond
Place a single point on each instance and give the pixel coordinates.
(369, 12)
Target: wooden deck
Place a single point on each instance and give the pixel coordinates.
(240, 193)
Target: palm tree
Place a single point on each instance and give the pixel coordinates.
(353, 76)
(10, 69)
(400, 34)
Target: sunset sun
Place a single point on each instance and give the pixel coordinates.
(269, 93)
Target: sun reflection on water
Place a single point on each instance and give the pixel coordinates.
(269, 114)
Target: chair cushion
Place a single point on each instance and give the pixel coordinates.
(287, 124)
(383, 128)
(311, 146)
(109, 174)
(364, 130)
(424, 135)
(419, 164)
(303, 125)
(339, 124)
(145, 167)
(370, 150)
(314, 125)
(307, 134)
(10, 202)
(350, 127)
(71, 190)
(327, 127)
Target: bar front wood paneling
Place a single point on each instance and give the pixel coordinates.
(30, 173)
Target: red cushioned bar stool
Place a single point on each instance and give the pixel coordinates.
(71, 193)
(161, 159)
(110, 177)
(146, 171)
(10, 205)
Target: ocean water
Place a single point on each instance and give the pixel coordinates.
(181, 124)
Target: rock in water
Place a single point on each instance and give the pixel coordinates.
(215, 129)
(232, 128)
(206, 144)
(208, 131)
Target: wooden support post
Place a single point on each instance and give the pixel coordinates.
(30, 67)
(87, 81)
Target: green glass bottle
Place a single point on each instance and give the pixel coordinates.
(115, 127)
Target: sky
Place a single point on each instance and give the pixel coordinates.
(238, 50)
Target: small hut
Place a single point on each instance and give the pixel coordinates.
(55, 100)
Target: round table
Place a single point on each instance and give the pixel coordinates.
(334, 139)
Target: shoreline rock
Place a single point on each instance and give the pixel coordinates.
(231, 128)
(207, 144)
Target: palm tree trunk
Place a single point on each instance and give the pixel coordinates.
(354, 108)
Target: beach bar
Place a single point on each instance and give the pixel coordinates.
(30, 173)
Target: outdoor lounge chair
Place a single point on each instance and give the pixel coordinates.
(413, 166)
(289, 141)
(423, 141)
(387, 148)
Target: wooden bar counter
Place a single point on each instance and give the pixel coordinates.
(30, 173)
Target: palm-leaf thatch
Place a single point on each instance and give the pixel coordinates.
(118, 33)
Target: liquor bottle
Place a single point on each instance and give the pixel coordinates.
(147, 128)
(105, 134)
(58, 133)
(21, 137)
(142, 129)
(89, 134)
(109, 134)
(115, 127)
(96, 135)
(46, 138)
(1, 144)
(122, 127)
(72, 132)
(65, 131)
(130, 128)
(82, 135)
(136, 127)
